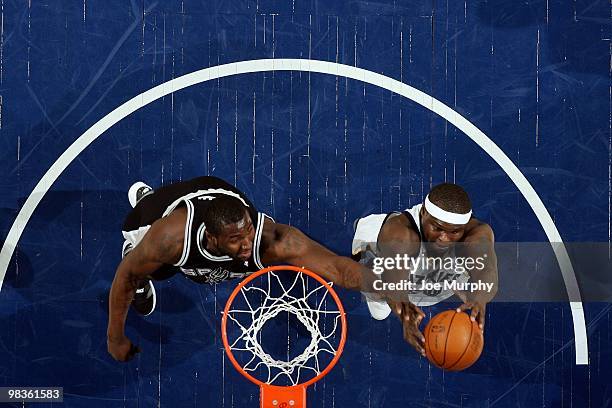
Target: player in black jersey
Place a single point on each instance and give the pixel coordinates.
(209, 231)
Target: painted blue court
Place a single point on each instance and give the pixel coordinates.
(321, 112)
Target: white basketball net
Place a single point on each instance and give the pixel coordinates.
(316, 319)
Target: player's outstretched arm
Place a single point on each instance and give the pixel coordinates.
(398, 238)
(480, 243)
(162, 244)
(286, 244)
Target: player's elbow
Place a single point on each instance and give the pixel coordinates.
(126, 275)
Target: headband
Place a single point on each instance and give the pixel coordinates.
(446, 216)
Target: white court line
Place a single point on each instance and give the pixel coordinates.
(323, 67)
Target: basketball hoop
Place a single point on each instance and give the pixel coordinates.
(311, 308)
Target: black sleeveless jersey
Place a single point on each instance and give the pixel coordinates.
(195, 195)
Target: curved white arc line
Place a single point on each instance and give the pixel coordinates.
(323, 67)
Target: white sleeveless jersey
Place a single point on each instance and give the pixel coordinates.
(365, 242)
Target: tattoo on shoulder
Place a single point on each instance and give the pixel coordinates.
(169, 247)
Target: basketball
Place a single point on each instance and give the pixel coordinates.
(453, 341)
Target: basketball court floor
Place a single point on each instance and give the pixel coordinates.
(321, 112)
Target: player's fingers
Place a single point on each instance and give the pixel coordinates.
(414, 342)
(421, 350)
(420, 337)
(417, 310)
(419, 319)
(475, 312)
(413, 331)
(420, 347)
(409, 315)
(481, 320)
(407, 335)
(465, 306)
(413, 313)
(397, 308)
(404, 312)
(132, 352)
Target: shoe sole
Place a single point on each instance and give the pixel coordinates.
(132, 196)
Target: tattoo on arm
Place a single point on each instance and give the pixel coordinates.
(292, 243)
(169, 247)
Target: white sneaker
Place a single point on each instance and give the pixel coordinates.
(145, 298)
(379, 308)
(137, 192)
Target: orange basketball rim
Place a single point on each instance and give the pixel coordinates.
(292, 396)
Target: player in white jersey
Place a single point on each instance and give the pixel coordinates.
(433, 237)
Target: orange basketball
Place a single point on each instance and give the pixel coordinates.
(453, 341)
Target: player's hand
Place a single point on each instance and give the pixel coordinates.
(121, 348)
(411, 316)
(478, 311)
